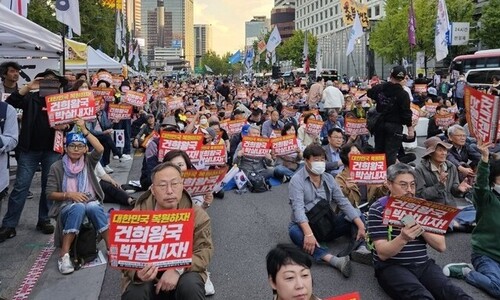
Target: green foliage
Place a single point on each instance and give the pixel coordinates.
(293, 47)
(220, 65)
(490, 23)
(389, 37)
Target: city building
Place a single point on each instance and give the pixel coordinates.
(203, 40)
(284, 18)
(256, 28)
(182, 22)
(132, 13)
(278, 3)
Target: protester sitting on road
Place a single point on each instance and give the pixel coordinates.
(146, 132)
(289, 273)
(305, 138)
(252, 164)
(432, 128)
(332, 122)
(402, 266)
(271, 126)
(311, 191)
(76, 193)
(437, 178)
(462, 155)
(167, 193)
(485, 268)
(334, 164)
(357, 194)
(287, 165)
(113, 193)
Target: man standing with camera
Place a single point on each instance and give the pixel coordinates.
(36, 147)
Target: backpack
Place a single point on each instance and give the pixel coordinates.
(257, 183)
(375, 115)
(3, 114)
(84, 247)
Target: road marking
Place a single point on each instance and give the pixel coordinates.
(35, 272)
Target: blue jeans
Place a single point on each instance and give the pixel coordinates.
(127, 128)
(72, 216)
(26, 167)
(486, 275)
(341, 225)
(281, 170)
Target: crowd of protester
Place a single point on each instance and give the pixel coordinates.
(455, 168)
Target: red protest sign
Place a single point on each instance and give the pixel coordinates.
(174, 103)
(368, 168)
(64, 108)
(120, 111)
(284, 145)
(135, 98)
(289, 112)
(213, 155)
(431, 107)
(297, 90)
(201, 182)
(355, 126)
(189, 142)
(235, 126)
(163, 238)
(255, 146)
(420, 88)
(415, 113)
(350, 296)
(432, 216)
(444, 120)
(482, 115)
(283, 94)
(313, 127)
(117, 81)
(59, 142)
(108, 94)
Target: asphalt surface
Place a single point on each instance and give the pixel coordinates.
(244, 227)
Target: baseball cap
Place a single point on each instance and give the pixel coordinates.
(432, 91)
(398, 72)
(245, 129)
(75, 137)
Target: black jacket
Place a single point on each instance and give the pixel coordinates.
(399, 112)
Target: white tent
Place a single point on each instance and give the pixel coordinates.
(97, 60)
(20, 37)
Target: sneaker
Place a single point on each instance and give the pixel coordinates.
(125, 157)
(30, 195)
(108, 170)
(209, 286)
(345, 267)
(362, 256)
(45, 227)
(116, 157)
(7, 233)
(459, 270)
(65, 265)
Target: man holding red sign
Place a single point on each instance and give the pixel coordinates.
(167, 193)
(402, 265)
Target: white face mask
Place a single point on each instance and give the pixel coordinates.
(496, 188)
(203, 121)
(318, 167)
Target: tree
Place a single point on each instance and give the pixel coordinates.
(490, 23)
(97, 22)
(389, 37)
(292, 49)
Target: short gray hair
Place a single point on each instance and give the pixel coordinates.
(399, 169)
(329, 83)
(453, 129)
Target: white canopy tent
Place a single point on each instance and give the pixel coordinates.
(21, 38)
(97, 60)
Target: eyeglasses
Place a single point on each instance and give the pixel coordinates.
(76, 146)
(406, 185)
(165, 185)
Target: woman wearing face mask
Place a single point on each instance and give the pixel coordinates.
(485, 256)
(311, 191)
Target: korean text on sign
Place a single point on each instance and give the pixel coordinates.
(284, 145)
(432, 216)
(201, 182)
(64, 108)
(355, 126)
(213, 155)
(163, 238)
(444, 120)
(120, 111)
(188, 142)
(368, 168)
(135, 98)
(313, 127)
(483, 115)
(108, 94)
(255, 146)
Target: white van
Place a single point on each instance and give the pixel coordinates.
(481, 78)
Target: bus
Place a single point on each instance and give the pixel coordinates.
(478, 60)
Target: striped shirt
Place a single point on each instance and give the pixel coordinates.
(414, 252)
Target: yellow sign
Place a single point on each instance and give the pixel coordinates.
(75, 53)
(349, 9)
(118, 4)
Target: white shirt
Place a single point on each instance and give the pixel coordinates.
(333, 97)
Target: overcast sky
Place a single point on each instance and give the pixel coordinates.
(228, 19)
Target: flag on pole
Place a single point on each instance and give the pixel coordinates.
(268, 57)
(208, 69)
(136, 57)
(130, 50)
(235, 58)
(442, 27)
(118, 31)
(249, 59)
(356, 33)
(319, 61)
(305, 55)
(273, 57)
(412, 26)
(68, 12)
(274, 40)
(261, 46)
(20, 7)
